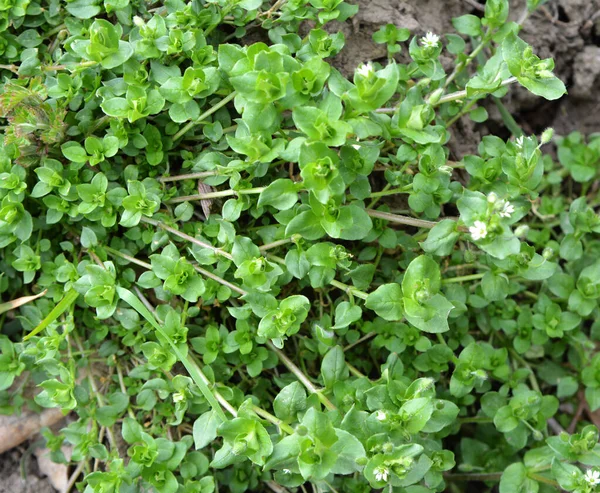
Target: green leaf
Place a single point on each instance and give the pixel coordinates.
(333, 367)
(514, 478)
(346, 314)
(281, 194)
(441, 238)
(290, 401)
(73, 151)
(386, 301)
(205, 429)
(199, 379)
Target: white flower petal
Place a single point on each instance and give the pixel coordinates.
(430, 40)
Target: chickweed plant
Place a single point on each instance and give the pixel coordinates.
(238, 270)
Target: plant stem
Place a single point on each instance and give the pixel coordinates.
(188, 176)
(355, 371)
(214, 195)
(393, 191)
(475, 419)
(67, 66)
(455, 96)
(349, 289)
(122, 385)
(486, 476)
(13, 68)
(532, 380)
(204, 115)
(542, 479)
(470, 277)
(198, 269)
(461, 113)
(220, 280)
(304, 380)
(273, 419)
(461, 66)
(364, 338)
(395, 218)
(268, 246)
(129, 258)
(186, 237)
(222, 401)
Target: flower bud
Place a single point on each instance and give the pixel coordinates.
(522, 231)
(547, 135)
(435, 96)
(492, 198)
(548, 253)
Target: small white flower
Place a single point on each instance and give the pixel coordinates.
(178, 397)
(287, 471)
(381, 415)
(430, 40)
(592, 477)
(507, 209)
(365, 70)
(519, 142)
(478, 230)
(356, 146)
(381, 473)
(445, 169)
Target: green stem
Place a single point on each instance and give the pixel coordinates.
(393, 191)
(461, 113)
(188, 176)
(198, 269)
(67, 66)
(304, 380)
(532, 380)
(278, 243)
(542, 479)
(475, 419)
(355, 371)
(349, 289)
(214, 195)
(395, 218)
(186, 237)
(129, 258)
(273, 419)
(220, 280)
(470, 277)
(462, 65)
(204, 115)
(486, 476)
(458, 95)
(364, 338)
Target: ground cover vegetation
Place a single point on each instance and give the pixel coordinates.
(240, 271)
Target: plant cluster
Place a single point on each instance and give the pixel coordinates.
(241, 271)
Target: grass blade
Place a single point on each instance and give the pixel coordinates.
(56, 312)
(197, 376)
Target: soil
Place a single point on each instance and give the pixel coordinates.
(566, 30)
(10, 474)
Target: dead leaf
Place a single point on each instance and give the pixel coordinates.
(206, 203)
(11, 305)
